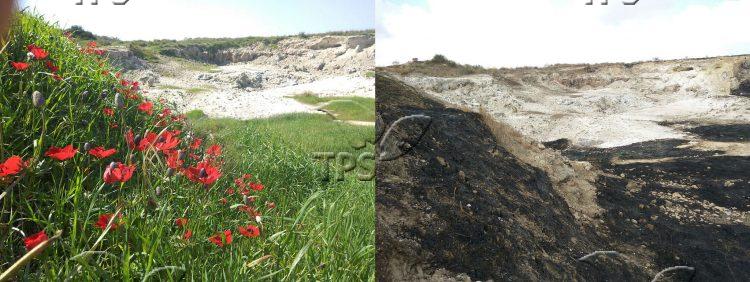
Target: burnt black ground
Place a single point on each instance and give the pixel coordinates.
(480, 211)
(459, 201)
(725, 133)
(719, 252)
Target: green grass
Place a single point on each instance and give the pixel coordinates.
(343, 108)
(195, 114)
(191, 90)
(320, 230)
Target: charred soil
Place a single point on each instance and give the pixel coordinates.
(459, 205)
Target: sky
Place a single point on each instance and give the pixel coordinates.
(179, 19)
(513, 33)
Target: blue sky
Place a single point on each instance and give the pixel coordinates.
(508, 33)
(177, 19)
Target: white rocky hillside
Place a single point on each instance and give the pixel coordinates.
(256, 81)
(606, 105)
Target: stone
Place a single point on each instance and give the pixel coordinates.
(252, 80)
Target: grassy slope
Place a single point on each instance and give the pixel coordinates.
(344, 108)
(318, 231)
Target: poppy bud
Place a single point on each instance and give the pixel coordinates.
(37, 98)
(170, 172)
(245, 199)
(206, 187)
(181, 154)
(112, 165)
(104, 94)
(151, 204)
(84, 94)
(87, 146)
(132, 158)
(29, 56)
(119, 102)
(85, 122)
(203, 173)
(158, 191)
(137, 139)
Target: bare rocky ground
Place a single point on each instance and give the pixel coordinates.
(524, 171)
(257, 81)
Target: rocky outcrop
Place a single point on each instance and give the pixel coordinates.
(313, 50)
(123, 58)
(149, 78)
(327, 42)
(741, 83)
(251, 80)
(360, 42)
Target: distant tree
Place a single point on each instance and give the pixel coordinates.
(440, 59)
(78, 32)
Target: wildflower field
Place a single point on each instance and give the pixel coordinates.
(99, 183)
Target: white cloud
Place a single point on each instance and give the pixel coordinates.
(520, 33)
(154, 19)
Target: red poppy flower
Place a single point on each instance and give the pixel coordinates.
(196, 144)
(250, 231)
(34, 240)
(143, 144)
(203, 172)
(247, 176)
(91, 44)
(20, 66)
(57, 77)
(249, 210)
(114, 125)
(239, 183)
(38, 53)
(12, 166)
(188, 234)
(146, 107)
(61, 154)
(167, 141)
(230, 191)
(178, 118)
(109, 111)
(118, 172)
(223, 201)
(104, 219)
(221, 239)
(101, 153)
(270, 205)
(52, 67)
(173, 160)
(181, 222)
(165, 113)
(256, 186)
(214, 150)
